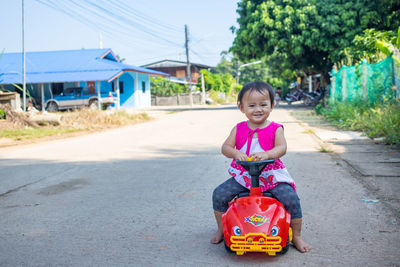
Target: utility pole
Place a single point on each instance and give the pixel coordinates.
(101, 40)
(203, 90)
(188, 74)
(23, 56)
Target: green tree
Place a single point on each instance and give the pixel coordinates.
(163, 87)
(307, 35)
(372, 45)
(218, 82)
(258, 72)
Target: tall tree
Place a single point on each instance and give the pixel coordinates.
(307, 35)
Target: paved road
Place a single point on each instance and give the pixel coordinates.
(141, 195)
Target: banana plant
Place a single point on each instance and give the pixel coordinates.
(388, 48)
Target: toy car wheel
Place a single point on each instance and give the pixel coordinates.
(285, 248)
(52, 107)
(228, 248)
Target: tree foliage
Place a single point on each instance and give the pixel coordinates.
(307, 35)
(162, 87)
(223, 82)
(256, 72)
(371, 45)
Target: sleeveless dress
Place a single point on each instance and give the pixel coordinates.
(273, 174)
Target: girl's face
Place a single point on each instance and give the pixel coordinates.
(257, 107)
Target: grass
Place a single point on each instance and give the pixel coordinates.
(76, 121)
(309, 131)
(325, 150)
(381, 120)
(29, 133)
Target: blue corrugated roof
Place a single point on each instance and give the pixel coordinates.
(65, 66)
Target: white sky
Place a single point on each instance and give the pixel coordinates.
(141, 31)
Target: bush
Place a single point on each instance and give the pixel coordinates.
(163, 87)
(218, 82)
(2, 114)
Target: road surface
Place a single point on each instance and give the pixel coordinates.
(141, 196)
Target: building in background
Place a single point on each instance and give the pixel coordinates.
(48, 73)
(177, 69)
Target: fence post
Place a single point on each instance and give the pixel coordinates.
(364, 80)
(333, 85)
(344, 85)
(396, 75)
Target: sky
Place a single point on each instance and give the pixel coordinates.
(139, 31)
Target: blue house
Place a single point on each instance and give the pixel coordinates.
(49, 73)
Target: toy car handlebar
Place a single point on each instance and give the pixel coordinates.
(254, 168)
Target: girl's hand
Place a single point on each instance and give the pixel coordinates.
(240, 156)
(260, 156)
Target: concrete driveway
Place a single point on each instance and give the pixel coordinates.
(141, 196)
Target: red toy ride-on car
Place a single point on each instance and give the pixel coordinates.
(256, 223)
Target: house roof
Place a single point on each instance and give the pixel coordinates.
(66, 66)
(167, 63)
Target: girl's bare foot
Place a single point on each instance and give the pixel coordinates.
(300, 244)
(217, 238)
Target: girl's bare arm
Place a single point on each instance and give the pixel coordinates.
(228, 148)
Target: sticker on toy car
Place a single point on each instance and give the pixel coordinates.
(256, 219)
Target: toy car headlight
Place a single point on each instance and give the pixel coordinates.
(275, 231)
(236, 230)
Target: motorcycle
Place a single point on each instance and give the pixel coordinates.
(298, 95)
(313, 98)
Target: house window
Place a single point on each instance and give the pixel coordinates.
(121, 87)
(144, 87)
(180, 74)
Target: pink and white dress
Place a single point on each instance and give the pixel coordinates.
(273, 174)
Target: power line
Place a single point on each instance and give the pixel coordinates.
(110, 22)
(132, 27)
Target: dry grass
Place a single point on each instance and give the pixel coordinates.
(87, 119)
(84, 120)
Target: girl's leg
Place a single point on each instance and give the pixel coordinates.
(219, 235)
(222, 195)
(297, 241)
(285, 194)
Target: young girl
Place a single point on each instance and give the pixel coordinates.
(261, 139)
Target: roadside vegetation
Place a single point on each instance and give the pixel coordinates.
(20, 126)
(380, 120)
(220, 87)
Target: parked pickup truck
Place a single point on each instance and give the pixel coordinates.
(78, 97)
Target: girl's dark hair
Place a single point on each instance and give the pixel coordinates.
(260, 87)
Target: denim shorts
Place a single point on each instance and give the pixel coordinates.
(283, 192)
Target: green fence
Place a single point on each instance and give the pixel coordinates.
(366, 82)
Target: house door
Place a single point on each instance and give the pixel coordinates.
(92, 87)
